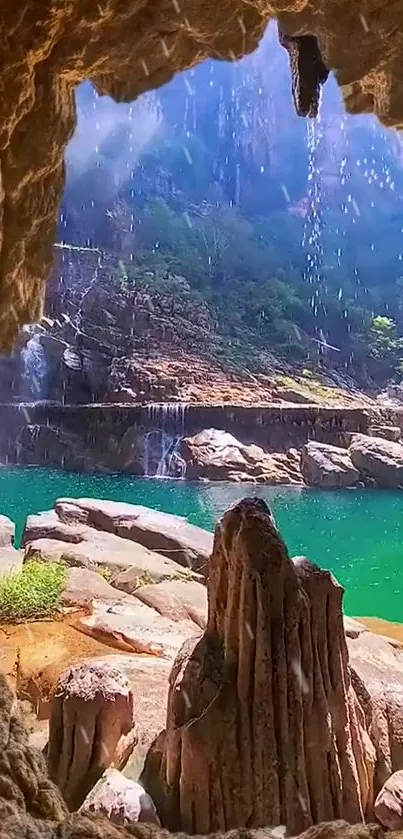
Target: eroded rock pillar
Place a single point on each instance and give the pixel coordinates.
(91, 728)
(262, 726)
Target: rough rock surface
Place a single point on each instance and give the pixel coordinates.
(389, 803)
(169, 535)
(46, 536)
(127, 48)
(10, 558)
(327, 466)
(376, 664)
(379, 459)
(121, 800)
(215, 455)
(134, 627)
(31, 806)
(178, 600)
(263, 726)
(91, 728)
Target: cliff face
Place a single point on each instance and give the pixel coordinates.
(127, 48)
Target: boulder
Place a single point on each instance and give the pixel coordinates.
(172, 536)
(178, 600)
(376, 664)
(387, 432)
(122, 801)
(327, 466)
(50, 539)
(388, 807)
(379, 459)
(263, 726)
(7, 532)
(216, 455)
(83, 586)
(91, 728)
(134, 627)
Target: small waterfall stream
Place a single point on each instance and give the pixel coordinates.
(34, 367)
(163, 441)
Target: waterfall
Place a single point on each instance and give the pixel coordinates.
(161, 444)
(34, 367)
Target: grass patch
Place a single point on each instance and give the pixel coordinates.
(34, 593)
(104, 572)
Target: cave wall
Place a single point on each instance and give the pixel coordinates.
(126, 47)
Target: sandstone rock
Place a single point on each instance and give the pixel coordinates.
(388, 807)
(215, 455)
(379, 459)
(327, 466)
(91, 728)
(47, 537)
(122, 801)
(376, 664)
(132, 626)
(164, 533)
(7, 532)
(263, 726)
(29, 809)
(387, 432)
(83, 586)
(178, 600)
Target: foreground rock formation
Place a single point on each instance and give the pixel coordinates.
(263, 726)
(125, 49)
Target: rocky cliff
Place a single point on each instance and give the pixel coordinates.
(128, 48)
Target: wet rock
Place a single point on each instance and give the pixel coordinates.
(134, 627)
(327, 466)
(169, 535)
(177, 600)
(122, 801)
(91, 728)
(379, 459)
(216, 455)
(388, 807)
(263, 726)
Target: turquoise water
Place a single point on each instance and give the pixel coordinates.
(357, 534)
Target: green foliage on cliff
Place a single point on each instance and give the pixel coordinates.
(34, 593)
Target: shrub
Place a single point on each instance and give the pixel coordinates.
(34, 593)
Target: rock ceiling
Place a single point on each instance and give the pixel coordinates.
(126, 47)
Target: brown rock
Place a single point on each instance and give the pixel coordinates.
(376, 664)
(178, 600)
(327, 466)
(388, 807)
(122, 801)
(91, 728)
(263, 726)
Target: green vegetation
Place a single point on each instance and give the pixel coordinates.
(34, 593)
(104, 572)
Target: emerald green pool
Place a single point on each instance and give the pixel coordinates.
(357, 534)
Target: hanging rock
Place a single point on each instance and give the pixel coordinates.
(263, 727)
(91, 728)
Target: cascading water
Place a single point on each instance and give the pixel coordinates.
(34, 367)
(161, 444)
